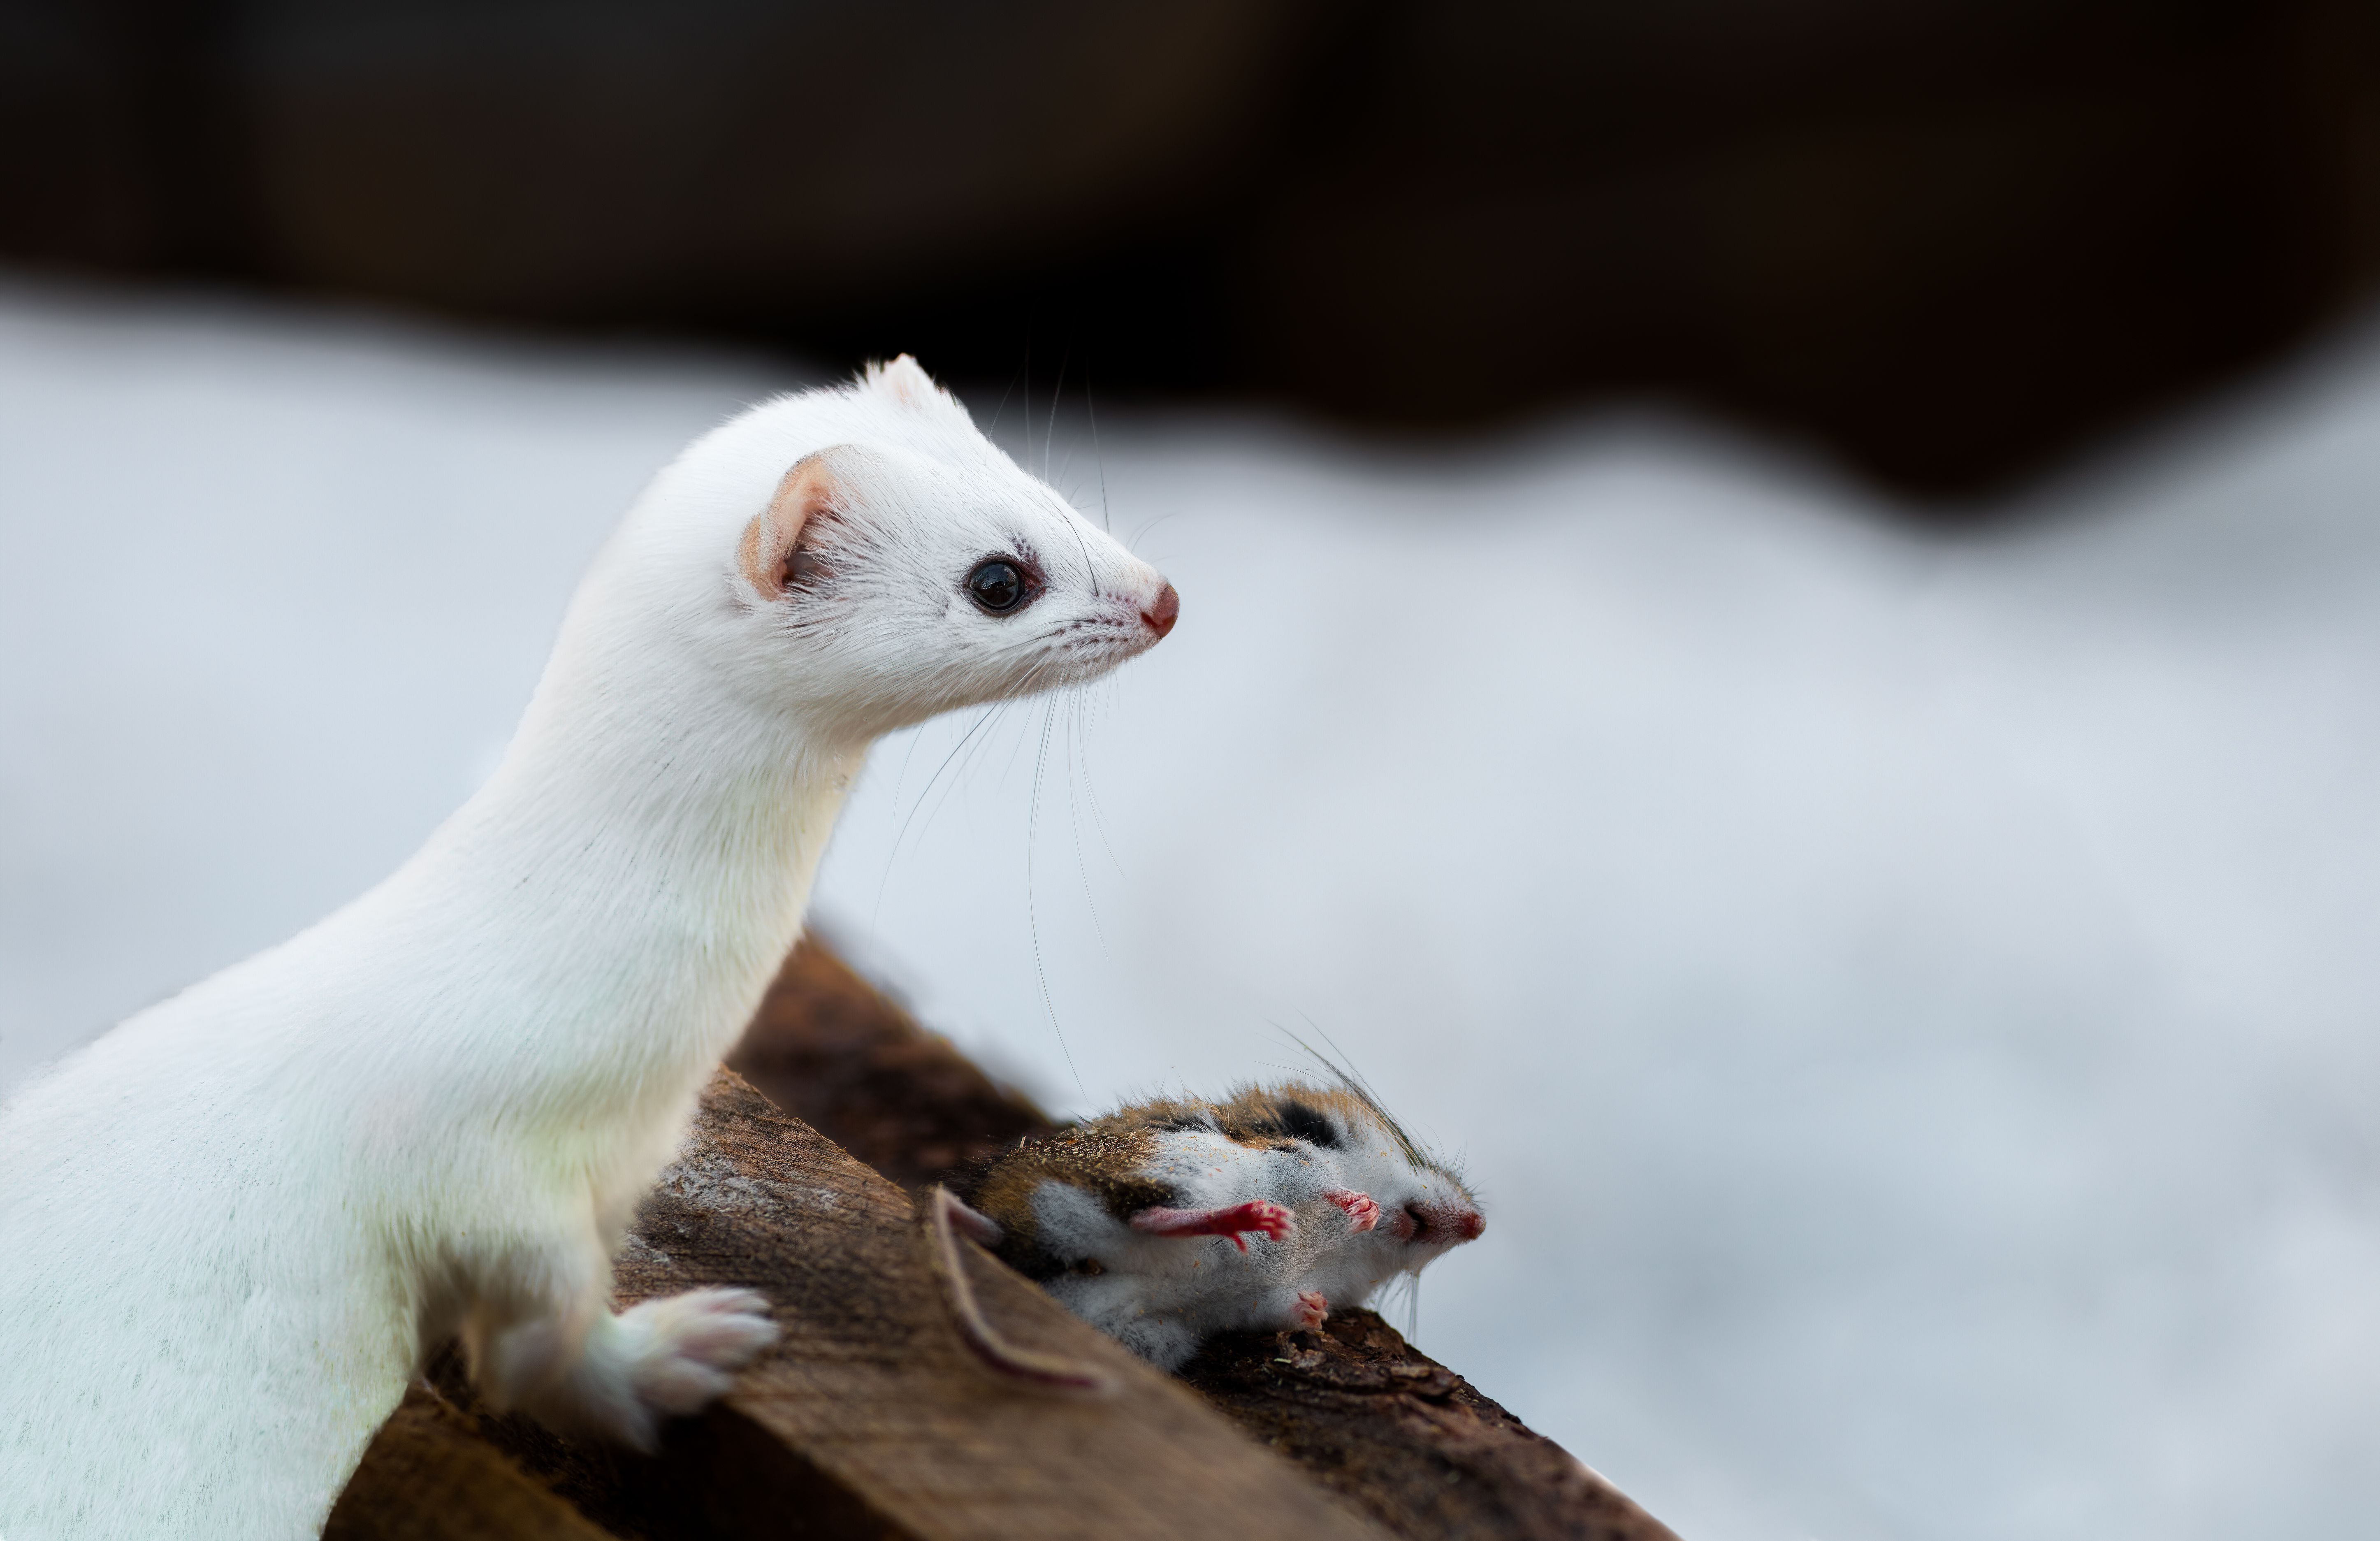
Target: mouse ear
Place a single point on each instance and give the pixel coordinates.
(765, 554)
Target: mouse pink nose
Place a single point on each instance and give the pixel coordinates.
(1160, 615)
(1440, 1225)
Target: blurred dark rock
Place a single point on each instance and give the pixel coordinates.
(1952, 240)
(1955, 239)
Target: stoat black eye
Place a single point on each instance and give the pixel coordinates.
(999, 584)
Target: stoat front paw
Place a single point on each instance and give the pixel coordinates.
(689, 1347)
(666, 1358)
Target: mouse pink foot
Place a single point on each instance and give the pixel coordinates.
(1261, 1216)
(1362, 1213)
(1313, 1306)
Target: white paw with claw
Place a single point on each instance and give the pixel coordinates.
(687, 1348)
(664, 1359)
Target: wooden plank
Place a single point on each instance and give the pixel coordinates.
(431, 1477)
(869, 1418)
(1402, 1437)
(873, 1386)
(869, 1423)
(1407, 1440)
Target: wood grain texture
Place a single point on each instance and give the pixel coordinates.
(869, 1419)
(871, 1384)
(430, 1476)
(1407, 1440)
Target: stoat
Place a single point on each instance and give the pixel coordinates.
(231, 1227)
(1166, 1221)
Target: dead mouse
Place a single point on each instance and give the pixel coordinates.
(1166, 1221)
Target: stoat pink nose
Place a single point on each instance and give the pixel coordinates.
(1467, 1224)
(1160, 615)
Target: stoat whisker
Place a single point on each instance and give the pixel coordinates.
(983, 719)
(970, 755)
(1091, 410)
(1057, 395)
(1032, 902)
(1077, 772)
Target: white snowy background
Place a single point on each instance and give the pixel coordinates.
(1909, 1002)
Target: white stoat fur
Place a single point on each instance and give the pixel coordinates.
(231, 1227)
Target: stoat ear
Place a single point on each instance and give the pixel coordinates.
(905, 382)
(766, 552)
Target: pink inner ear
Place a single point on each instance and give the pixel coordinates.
(907, 381)
(769, 540)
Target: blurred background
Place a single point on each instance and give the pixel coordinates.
(1781, 630)
(1952, 240)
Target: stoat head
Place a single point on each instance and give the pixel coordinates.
(863, 558)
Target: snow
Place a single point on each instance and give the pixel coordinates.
(1909, 1002)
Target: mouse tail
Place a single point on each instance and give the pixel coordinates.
(944, 1217)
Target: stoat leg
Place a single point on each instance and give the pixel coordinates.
(1261, 1216)
(1311, 1308)
(660, 1359)
(1363, 1211)
(580, 1368)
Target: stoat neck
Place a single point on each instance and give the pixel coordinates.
(626, 885)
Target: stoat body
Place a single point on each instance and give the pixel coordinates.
(231, 1227)
(1167, 1222)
